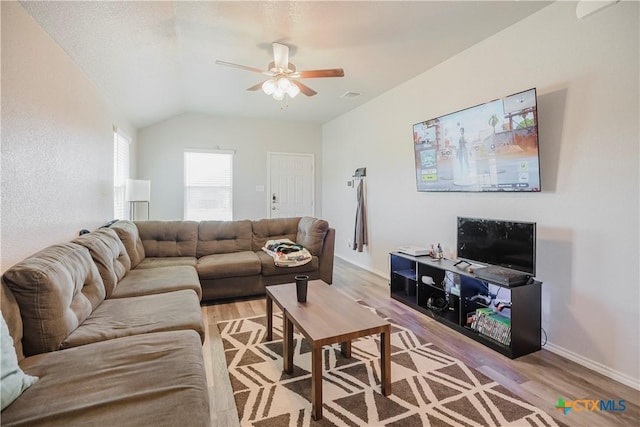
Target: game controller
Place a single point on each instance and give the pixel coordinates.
(502, 304)
(486, 299)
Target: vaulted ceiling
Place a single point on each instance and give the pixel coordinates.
(154, 60)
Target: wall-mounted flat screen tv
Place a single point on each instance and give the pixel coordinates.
(489, 147)
(510, 244)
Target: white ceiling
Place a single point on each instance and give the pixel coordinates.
(154, 60)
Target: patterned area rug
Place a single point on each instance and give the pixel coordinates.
(429, 387)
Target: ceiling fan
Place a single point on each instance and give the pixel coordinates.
(282, 75)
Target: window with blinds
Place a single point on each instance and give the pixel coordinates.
(208, 185)
(120, 173)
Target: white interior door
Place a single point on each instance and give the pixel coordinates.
(291, 185)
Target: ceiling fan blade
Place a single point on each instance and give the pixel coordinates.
(311, 74)
(256, 87)
(281, 56)
(244, 67)
(304, 88)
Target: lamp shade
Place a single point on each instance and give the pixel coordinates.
(138, 190)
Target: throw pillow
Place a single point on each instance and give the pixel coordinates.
(14, 381)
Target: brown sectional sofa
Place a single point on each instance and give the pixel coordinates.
(228, 255)
(111, 322)
(102, 360)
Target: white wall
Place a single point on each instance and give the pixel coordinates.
(57, 143)
(586, 73)
(161, 148)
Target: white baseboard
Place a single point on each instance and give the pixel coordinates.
(384, 275)
(594, 366)
(560, 351)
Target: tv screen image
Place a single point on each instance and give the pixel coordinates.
(510, 244)
(489, 147)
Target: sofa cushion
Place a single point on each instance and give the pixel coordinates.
(13, 380)
(168, 238)
(11, 314)
(150, 379)
(109, 254)
(273, 229)
(128, 233)
(221, 237)
(311, 232)
(121, 317)
(56, 290)
(148, 281)
(244, 263)
(269, 267)
(152, 262)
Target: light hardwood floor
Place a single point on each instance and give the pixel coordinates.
(540, 378)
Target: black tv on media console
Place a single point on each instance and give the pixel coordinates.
(502, 243)
(490, 147)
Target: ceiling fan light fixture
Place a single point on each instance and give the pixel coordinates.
(269, 86)
(280, 87)
(284, 83)
(293, 90)
(278, 94)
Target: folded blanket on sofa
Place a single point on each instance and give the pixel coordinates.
(286, 253)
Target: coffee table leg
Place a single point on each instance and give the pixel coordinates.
(316, 383)
(269, 319)
(345, 349)
(287, 345)
(385, 360)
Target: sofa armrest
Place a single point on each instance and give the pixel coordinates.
(326, 256)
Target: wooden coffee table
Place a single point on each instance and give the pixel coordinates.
(328, 317)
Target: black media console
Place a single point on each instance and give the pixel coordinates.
(506, 319)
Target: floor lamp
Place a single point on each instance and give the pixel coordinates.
(137, 191)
